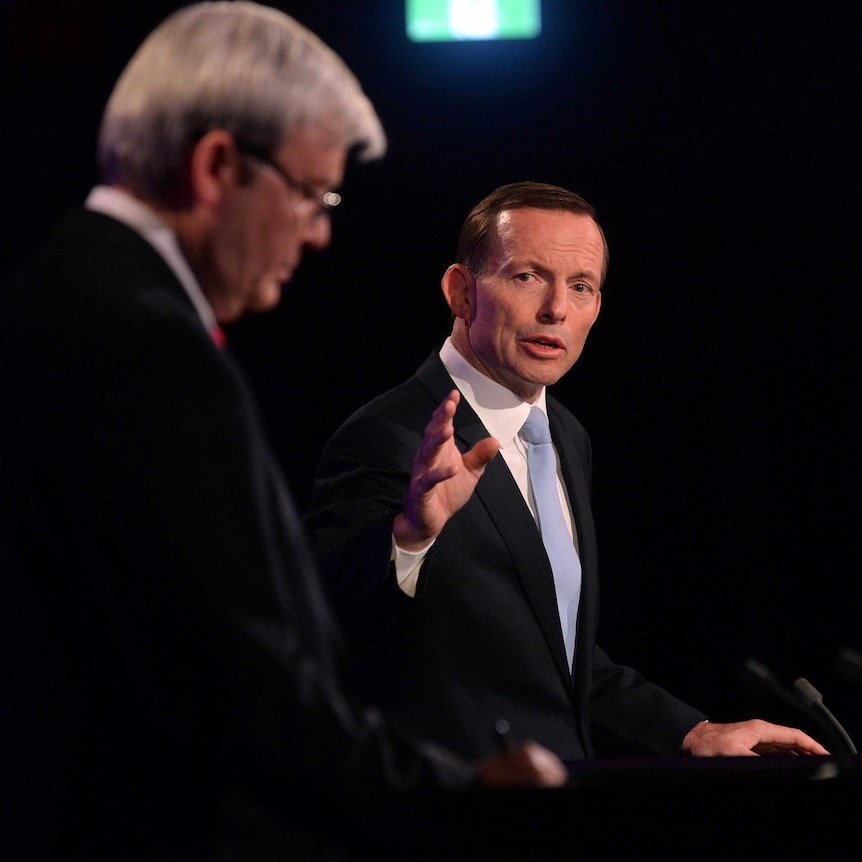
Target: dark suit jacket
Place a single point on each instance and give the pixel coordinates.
(169, 680)
(481, 640)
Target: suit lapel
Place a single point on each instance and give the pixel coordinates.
(499, 494)
(505, 505)
(579, 500)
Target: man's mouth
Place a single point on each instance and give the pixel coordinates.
(546, 343)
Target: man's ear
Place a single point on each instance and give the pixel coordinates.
(215, 167)
(459, 287)
(598, 306)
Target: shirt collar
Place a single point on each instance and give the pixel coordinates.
(501, 411)
(135, 214)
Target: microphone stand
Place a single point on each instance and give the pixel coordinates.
(813, 701)
(806, 699)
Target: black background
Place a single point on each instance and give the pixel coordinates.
(720, 385)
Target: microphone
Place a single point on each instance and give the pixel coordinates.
(813, 700)
(764, 679)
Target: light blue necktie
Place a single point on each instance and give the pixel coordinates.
(542, 467)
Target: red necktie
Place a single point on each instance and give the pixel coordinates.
(218, 337)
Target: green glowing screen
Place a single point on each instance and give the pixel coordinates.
(457, 20)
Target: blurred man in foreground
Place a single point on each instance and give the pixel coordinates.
(172, 688)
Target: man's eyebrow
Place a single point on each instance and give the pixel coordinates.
(524, 263)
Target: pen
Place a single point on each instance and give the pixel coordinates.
(501, 731)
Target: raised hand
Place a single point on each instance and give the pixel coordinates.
(442, 479)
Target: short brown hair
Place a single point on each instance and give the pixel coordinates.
(479, 229)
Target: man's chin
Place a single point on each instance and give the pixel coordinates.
(266, 298)
(546, 375)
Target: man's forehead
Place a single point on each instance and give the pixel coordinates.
(530, 231)
(510, 221)
(316, 154)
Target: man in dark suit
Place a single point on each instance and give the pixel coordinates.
(428, 534)
(170, 684)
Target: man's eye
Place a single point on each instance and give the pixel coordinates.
(580, 287)
(524, 277)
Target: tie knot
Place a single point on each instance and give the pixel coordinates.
(536, 429)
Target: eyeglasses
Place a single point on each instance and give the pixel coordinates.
(323, 203)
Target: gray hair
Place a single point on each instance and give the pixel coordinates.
(239, 66)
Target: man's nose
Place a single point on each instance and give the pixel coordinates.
(555, 302)
(318, 231)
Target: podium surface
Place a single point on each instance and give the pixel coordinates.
(769, 808)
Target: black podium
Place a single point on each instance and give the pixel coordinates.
(769, 808)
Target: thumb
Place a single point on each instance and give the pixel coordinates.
(483, 452)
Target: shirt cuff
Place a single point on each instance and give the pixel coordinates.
(407, 565)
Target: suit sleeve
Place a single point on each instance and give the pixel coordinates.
(622, 702)
(629, 706)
